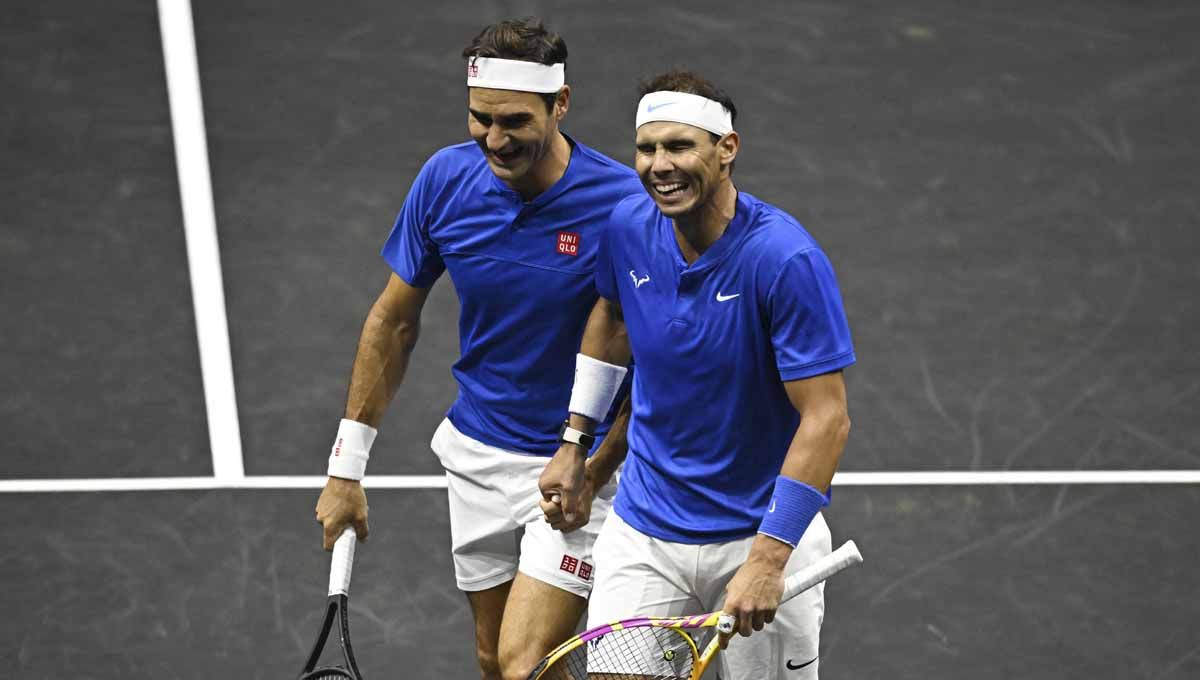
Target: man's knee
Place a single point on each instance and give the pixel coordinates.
(489, 663)
(516, 662)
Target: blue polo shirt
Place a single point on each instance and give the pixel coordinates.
(713, 343)
(523, 272)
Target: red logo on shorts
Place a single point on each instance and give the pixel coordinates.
(585, 571)
(569, 564)
(568, 243)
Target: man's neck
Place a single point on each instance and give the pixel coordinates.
(547, 170)
(696, 231)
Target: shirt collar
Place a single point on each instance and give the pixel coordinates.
(568, 177)
(720, 249)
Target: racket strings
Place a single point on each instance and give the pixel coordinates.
(327, 674)
(637, 653)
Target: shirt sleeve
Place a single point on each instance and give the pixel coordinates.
(409, 250)
(606, 284)
(808, 323)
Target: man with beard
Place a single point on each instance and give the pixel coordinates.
(733, 315)
(515, 217)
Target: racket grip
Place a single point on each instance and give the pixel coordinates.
(845, 556)
(343, 560)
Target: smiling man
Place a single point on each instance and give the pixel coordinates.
(515, 217)
(734, 317)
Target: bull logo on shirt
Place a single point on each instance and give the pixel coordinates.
(637, 283)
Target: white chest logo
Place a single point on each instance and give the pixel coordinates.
(637, 283)
(726, 298)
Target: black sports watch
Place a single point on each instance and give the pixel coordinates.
(570, 435)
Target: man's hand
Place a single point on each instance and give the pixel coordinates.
(343, 502)
(566, 489)
(752, 595)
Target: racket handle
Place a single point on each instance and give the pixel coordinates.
(343, 560)
(811, 575)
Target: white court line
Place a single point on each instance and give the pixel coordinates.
(1017, 477)
(200, 227)
(190, 483)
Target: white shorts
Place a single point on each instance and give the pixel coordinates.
(637, 575)
(494, 499)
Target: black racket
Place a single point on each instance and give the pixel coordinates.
(336, 608)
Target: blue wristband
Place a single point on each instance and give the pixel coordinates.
(793, 507)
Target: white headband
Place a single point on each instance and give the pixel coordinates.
(681, 107)
(510, 74)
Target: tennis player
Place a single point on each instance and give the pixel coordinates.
(515, 216)
(734, 317)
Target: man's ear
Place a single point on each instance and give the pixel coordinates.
(728, 147)
(562, 102)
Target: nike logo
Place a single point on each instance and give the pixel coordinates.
(772, 508)
(651, 108)
(790, 667)
(637, 283)
(723, 298)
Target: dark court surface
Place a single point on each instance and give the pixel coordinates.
(1008, 192)
(99, 372)
(1009, 195)
(1033, 583)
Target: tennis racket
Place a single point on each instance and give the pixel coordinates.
(336, 608)
(678, 648)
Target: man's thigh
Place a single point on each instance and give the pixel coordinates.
(640, 576)
(787, 648)
(565, 560)
(487, 610)
(537, 618)
(637, 575)
(484, 538)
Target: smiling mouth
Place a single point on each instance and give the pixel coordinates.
(506, 157)
(669, 189)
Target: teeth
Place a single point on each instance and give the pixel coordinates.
(669, 188)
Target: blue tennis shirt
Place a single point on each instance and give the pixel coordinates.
(713, 343)
(523, 272)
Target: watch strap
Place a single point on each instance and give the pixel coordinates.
(579, 437)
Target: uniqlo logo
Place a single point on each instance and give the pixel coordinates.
(585, 571)
(568, 243)
(472, 71)
(569, 564)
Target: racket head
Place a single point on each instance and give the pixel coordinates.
(667, 648)
(336, 612)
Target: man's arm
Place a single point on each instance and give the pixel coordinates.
(812, 458)
(387, 341)
(570, 481)
(384, 347)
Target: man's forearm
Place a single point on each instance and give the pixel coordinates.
(808, 468)
(604, 339)
(817, 447)
(384, 348)
(612, 450)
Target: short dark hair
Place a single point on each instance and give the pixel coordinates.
(525, 39)
(690, 82)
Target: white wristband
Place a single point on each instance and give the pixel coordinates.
(351, 449)
(596, 385)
